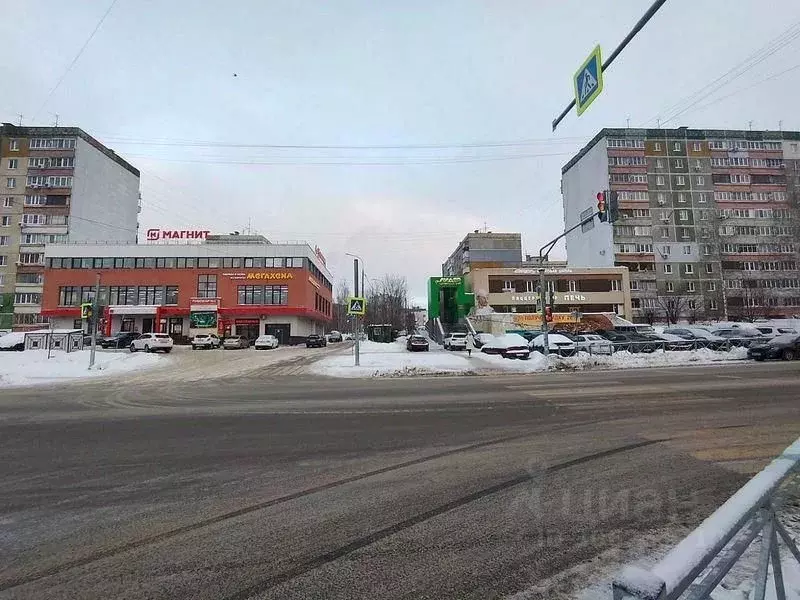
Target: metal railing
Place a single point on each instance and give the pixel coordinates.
(642, 347)
(707, 552)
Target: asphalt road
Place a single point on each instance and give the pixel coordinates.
(465, 487)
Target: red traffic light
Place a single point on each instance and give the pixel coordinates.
(548, 314)
(601, 202)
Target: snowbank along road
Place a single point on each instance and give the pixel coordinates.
(489, 487)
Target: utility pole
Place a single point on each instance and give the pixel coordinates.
(93, 321)
(542, 296)
(356, 329)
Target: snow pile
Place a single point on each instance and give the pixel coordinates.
(382, 360)
(33, 367)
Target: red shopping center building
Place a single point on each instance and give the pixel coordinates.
(227, 284)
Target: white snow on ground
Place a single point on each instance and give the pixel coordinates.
(392, 360)
(33, 367)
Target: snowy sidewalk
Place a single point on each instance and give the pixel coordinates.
(393, 360)
(32, 367)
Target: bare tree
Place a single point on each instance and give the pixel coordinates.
(341, 293)
(387, 301)
(649, 315)
(673, 307)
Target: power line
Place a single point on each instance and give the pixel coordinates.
(75, 60)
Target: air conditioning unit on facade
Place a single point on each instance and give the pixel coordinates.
(662, 202)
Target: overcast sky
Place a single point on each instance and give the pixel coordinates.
(194, 92)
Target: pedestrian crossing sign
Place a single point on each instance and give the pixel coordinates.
(588, 81)
(356, 306)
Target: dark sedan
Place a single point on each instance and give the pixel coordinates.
(417, 342)
(121, 339)
(316, 341)
(786, 347)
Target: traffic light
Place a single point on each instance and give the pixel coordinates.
(552, 298)
(548, 314)
(601, 207)
(86, 310)
(613, 206)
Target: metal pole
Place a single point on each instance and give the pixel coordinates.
(50, 341)
(356, 328)
(542, 298)
(93, 321)
(636, 29)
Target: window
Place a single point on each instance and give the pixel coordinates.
(657, 146)
(680, 180)
(171, 296)
(4, 240)
(147, 294)
(508, 286)
(690, 286)
(696, 146)
(27, 298)
(688, 269)
(707, 249)
(709, 268)
(206, 286)
(13, 163)
(3, 260)
(572, 285)
(634, 285)
(659, 180)
(665, 232)
(58, 143)
(530, 285)
(683, 215)
(667, 268)
(270, 294)
(702, 197)
(31, 258)
(11, 182)
(5, 221)
(13, 145)
(712, 286)
(712, 304)
(701, 180)
(685, 233)
(692, 304)
(678, 163)
(659, 163)
(687, 250)
(616, 286)
(676, 147)
(666, 250)
(682, 197)
(8, 202)
(670, 286)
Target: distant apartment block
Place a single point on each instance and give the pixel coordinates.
(480, 250)
(57, 184)
(709, 220)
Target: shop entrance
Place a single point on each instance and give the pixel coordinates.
(247, 328)
(147, 325)
(281, 331)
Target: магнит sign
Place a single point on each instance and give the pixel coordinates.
(154, 235)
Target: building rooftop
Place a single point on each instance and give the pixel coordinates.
(9, 129)
(681, 133)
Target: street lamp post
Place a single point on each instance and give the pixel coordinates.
(356, 319)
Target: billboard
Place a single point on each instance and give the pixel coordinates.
(206, 319)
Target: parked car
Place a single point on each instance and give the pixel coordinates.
(316, 341)
(205, 340)
(669, 341)
(14, 340)
(152, 342)
(557, 343)
(235, 342)
(702, 338)
(741, 336)
(482, 338)
(772, 331)
(593, 343)
(510, 345)
(631, 341)
(121, 339)
(455, 341)
(266, 342)
(417, 342)
(334, 336)
(786, 346)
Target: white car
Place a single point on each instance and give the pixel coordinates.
(593, 343)
(266, 342)
(771, 331)
(152, 342)
(455, 341)
(556, 344)
(206, 340)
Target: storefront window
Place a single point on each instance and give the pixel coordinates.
(139, 263)
(202, 263)
(248, 263)
(269, 263)
(237, 263)
(227, 263)
(86, 263)
(108, 263)
(213, 263)
(258, 262)
(279, 263)
(171, 294)
(169, 263)
(128, 263)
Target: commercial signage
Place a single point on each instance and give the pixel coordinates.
(203, 319)
(449, 281)
(559, 297)
(156, 234)
(261, 275)
(535, 319)
(246, 322)
(205, 301)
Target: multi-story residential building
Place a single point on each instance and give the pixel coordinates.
(57, 184)
(708, 219)
(483, 249)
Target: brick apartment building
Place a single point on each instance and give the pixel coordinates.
(56, 184)
(708, 223)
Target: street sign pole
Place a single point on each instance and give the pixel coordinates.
(356, 329)
(93, 321)
(542, 296)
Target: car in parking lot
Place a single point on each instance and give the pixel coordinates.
(631, 341)
(557, 343)
(334, 336)
(235, 342)
(316, 341)
(593, 343)
(203, 341)
(266, 342)
(668, 341)
(482, 338)
(455, 341)
(741, 336)
(701, 337)
(417, 342)
(152, 342)
(510, 345)
(121, 339)
(786, 347)
(772, 331)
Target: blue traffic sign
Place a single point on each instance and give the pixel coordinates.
(588, 81)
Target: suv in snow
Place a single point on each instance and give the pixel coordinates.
(121, 339)
(316, 341)
(334, 336)
(152, 342)
(455, 341)
(206, 340)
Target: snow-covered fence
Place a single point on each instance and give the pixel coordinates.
(748, 512)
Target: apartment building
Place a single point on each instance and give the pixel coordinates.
(483, 249)
(708, 220)
(57, 184)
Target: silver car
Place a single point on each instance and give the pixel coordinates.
(235, 342)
